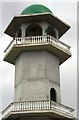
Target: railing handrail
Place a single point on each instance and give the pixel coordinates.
(38, 105)
(37, 39)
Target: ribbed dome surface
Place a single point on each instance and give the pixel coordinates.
(35, 9)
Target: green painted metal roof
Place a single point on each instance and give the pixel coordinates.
(35, 9)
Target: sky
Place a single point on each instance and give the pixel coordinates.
(66, 10)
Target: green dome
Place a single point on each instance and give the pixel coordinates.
(35, 9)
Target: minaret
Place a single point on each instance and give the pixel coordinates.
(37, 53)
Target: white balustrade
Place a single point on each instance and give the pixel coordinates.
(38, 105)
(37, 40)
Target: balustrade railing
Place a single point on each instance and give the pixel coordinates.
(38, 105)
(37, 40)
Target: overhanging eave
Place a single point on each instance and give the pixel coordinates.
(49, 17)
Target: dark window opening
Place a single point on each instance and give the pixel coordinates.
(51, 31)
(19, 34)
(33, 30)
(53, 94)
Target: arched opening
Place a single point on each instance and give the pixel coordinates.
(19, 33)
(51, 31)
(53, 94)
(33, 30)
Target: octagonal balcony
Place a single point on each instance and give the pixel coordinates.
(44, 107)
(46, 42)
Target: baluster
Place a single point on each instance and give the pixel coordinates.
(19, 106)
(23, 105)
(40, 38)
(26, 106)
(20, 40)
(32, 105)
(47, 38)
(44, 38)
(14, 106)
(43, 105)
(35, 105)
(17, 40)
(32, 39)
(47, 104)
(35, 39)
(39, 105)
(50, 39)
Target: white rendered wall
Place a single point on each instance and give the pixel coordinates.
(36, 72)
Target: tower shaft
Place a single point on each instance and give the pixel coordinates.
(36, 72)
